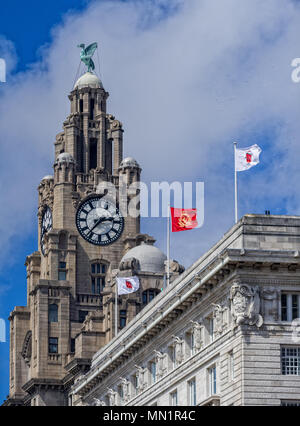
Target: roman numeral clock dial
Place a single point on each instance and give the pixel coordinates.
(99, 221)
(45, 226)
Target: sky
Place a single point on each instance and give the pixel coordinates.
(186, 78)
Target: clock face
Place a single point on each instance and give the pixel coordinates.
(45, 226)
(99, 221)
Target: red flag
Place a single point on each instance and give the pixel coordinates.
(183, 219)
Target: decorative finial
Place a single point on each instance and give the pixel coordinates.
(86, 55)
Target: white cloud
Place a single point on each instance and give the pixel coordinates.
(185, 87)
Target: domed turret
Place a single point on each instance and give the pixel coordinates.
(64, 157)
(88, 80)
(48, 177)
(129, 162)
(150, 258)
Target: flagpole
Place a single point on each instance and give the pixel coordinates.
(116, 310)
(168, 246)
(235, 185)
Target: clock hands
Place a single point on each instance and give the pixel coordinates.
(100, 220)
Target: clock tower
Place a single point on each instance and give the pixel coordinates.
(85, 240)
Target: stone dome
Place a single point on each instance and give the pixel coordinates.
(88, 80)
(48, 177)
(65, 157)
(129, 162)
(150, 258)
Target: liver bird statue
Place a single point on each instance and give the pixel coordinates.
(86, 55)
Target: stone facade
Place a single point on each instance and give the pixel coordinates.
(71, 282)
(217, 335)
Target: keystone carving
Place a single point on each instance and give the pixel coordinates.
(245, 305)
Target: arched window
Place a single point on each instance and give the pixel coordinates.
(53, 313)
(149, 295)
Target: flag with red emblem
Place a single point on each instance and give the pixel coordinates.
(245, 158)
(128, 285)
(183, 219)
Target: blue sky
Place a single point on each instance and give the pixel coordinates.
(186, 77)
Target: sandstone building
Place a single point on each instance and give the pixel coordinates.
(221, 334)
(224, 332)
(85, 240)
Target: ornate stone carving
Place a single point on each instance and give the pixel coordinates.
(27, 347)
(141, 378)
(112, 397)
(131, 263)
(220, 320)
(98, 402)
(125, 385)
(245, 305)
(270, 296)
(161, 367)
(179, 354)
(198, 335)
(176, 267)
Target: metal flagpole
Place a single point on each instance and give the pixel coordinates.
(168, 246)
(116, 309)
(235, 185)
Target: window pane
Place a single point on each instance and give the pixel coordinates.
(290, 361)
(284, 307)
(93, 286)
(53, 313)
(98, 268)
(294, 306)
(103, 269)
(62, 265)
(62, 275)
(82, 315)
(93, 268)
(53, 345)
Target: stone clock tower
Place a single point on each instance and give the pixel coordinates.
(85, 241)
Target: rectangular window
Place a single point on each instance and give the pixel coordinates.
(72, 346)
(211, 329)
(290, 304)
(122, 319)
(192, 393)
(290, 361)
(174, 399)
(173, 356)
(192, 344)
(136, 384)
(153, 372)
(82, 315)
(212, 374)
(53, 345)
(284, 314)
(98, 285)
(62, 275)
(93, 286)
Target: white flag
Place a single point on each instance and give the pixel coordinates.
(128, 285)
(245, 158)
